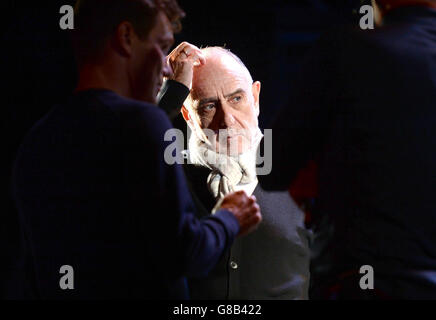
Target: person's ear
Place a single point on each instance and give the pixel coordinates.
(185, 114)
(378, 14)
(124, 38)
(188, 118)
(256, 94)
(193, 124)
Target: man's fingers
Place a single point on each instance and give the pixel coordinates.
(250, 201)
(238, 198)
(245, 209)
(250, 211)
(241, 192)
(185, 51)
(184, 48)
(182, 60)
(255, 219)
(251, 223)
(176, 51)
(196, 57)
(201, 59)
(253, 209)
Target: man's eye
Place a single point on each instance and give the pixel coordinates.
(236, 99)
(208, 107)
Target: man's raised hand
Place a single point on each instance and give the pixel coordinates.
(182, 61)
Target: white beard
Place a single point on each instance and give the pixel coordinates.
(227, 171)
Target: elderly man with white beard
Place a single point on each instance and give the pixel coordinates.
(220, 103)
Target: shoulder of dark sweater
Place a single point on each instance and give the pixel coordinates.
(136, 117)
(126, 105)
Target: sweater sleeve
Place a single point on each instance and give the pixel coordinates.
(179, 243)
(171, 97)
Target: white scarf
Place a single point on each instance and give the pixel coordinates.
(227, 171)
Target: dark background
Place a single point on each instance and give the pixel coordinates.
(271, 38)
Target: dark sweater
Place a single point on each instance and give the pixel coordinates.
(93, 192)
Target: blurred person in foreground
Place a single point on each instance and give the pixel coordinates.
(364, 109)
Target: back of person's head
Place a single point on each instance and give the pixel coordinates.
(97, 20)
(388, 4)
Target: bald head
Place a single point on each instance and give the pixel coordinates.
(224, 56)
(221, 67)
(218, 61)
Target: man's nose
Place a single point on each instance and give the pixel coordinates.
(167, 70)
(227, 118)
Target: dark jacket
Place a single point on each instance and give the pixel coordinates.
(270, 263)
(364, 107)
(94, 192)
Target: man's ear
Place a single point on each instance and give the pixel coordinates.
(190, 121)
(124, 38)
(256, 93)
(186, 115)
(378, 14)
(193, 124)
